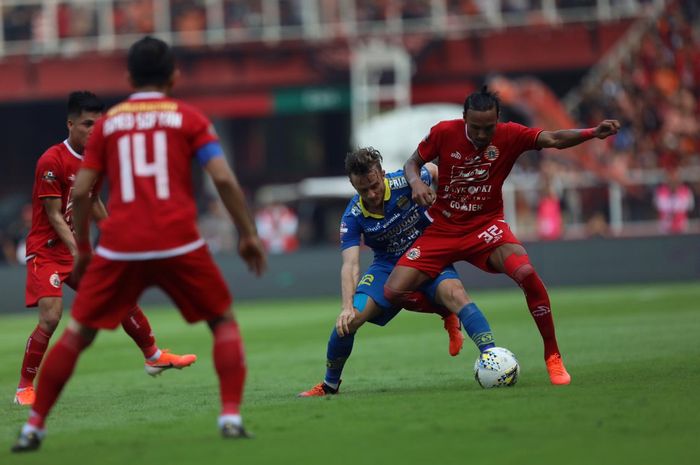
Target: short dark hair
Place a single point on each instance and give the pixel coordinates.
(362, 161)
(83, 100)
(483, 100)
(150, 62)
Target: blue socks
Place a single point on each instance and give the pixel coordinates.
(476, 326)
(339, 349)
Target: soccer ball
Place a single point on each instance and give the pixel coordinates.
(496, 367)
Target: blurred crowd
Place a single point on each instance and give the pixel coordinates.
(189, 18)
(655, 92)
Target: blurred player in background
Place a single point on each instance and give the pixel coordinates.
(383, 213)
(475, 155)
(51, 247)
(144, 146)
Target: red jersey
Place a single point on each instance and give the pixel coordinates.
(144, 146)
(54, 177)
(470, 179)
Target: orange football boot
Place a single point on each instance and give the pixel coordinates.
(169, 360)
(454, 330)
(557, 373)
(25, 396)
(320, 390)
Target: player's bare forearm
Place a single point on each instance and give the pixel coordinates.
(411, 169)
(231, 195)
(421, 193)
(234, 201)
(349, 275)
(565, 138)
(82, 206)
(99, 211)
(58, 223)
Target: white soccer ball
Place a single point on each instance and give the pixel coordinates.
(496, 367)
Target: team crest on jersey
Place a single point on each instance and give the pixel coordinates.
(413, 254)
(491, 153)
(403, 203)
(55, 280)
(48, 176)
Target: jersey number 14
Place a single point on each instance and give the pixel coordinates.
(132, 163)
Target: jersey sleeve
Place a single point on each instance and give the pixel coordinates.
(350, 230)
(94, 157)
(201, 130)
(429, 147)
(523, 137)
(425, 176)
(49, 176)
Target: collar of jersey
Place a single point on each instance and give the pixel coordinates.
(387, 196)
(146, 95)
(70, 149)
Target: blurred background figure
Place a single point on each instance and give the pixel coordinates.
(277, 227)
(673, 201)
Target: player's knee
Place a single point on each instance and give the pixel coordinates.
(396, 297)
(518, 267)
(48, 321)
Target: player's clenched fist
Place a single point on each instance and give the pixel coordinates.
(422, 194)
(607, 128)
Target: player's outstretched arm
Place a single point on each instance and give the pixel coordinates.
(349, 277)
(53, 207)
(82, 206)
(250, 247)
(569, 137)
(421, 193)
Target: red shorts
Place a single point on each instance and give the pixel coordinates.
(435, 249)
(45, 278)
(110, 288)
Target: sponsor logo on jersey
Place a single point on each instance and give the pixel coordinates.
(456, 155)
(466, 207)
(403, 203)
(48, 176)
(366, 280)
(491, 153)
(413, 254)
(398, 182)
(55, 281)
(462, 177)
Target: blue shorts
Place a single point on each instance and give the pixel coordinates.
(372, 285)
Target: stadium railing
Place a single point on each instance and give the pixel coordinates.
(50, 27)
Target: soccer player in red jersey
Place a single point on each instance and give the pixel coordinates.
(475, 155)
(51, 248)
(145, 146)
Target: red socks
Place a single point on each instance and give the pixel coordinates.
(229, 361)
(137, 326)
(36, 347)
(518, 267)
(58, 368)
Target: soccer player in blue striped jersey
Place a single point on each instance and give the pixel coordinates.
(383, 214)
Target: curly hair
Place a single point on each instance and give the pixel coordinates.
(362, 161)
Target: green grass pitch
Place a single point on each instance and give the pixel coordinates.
(633, 352)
